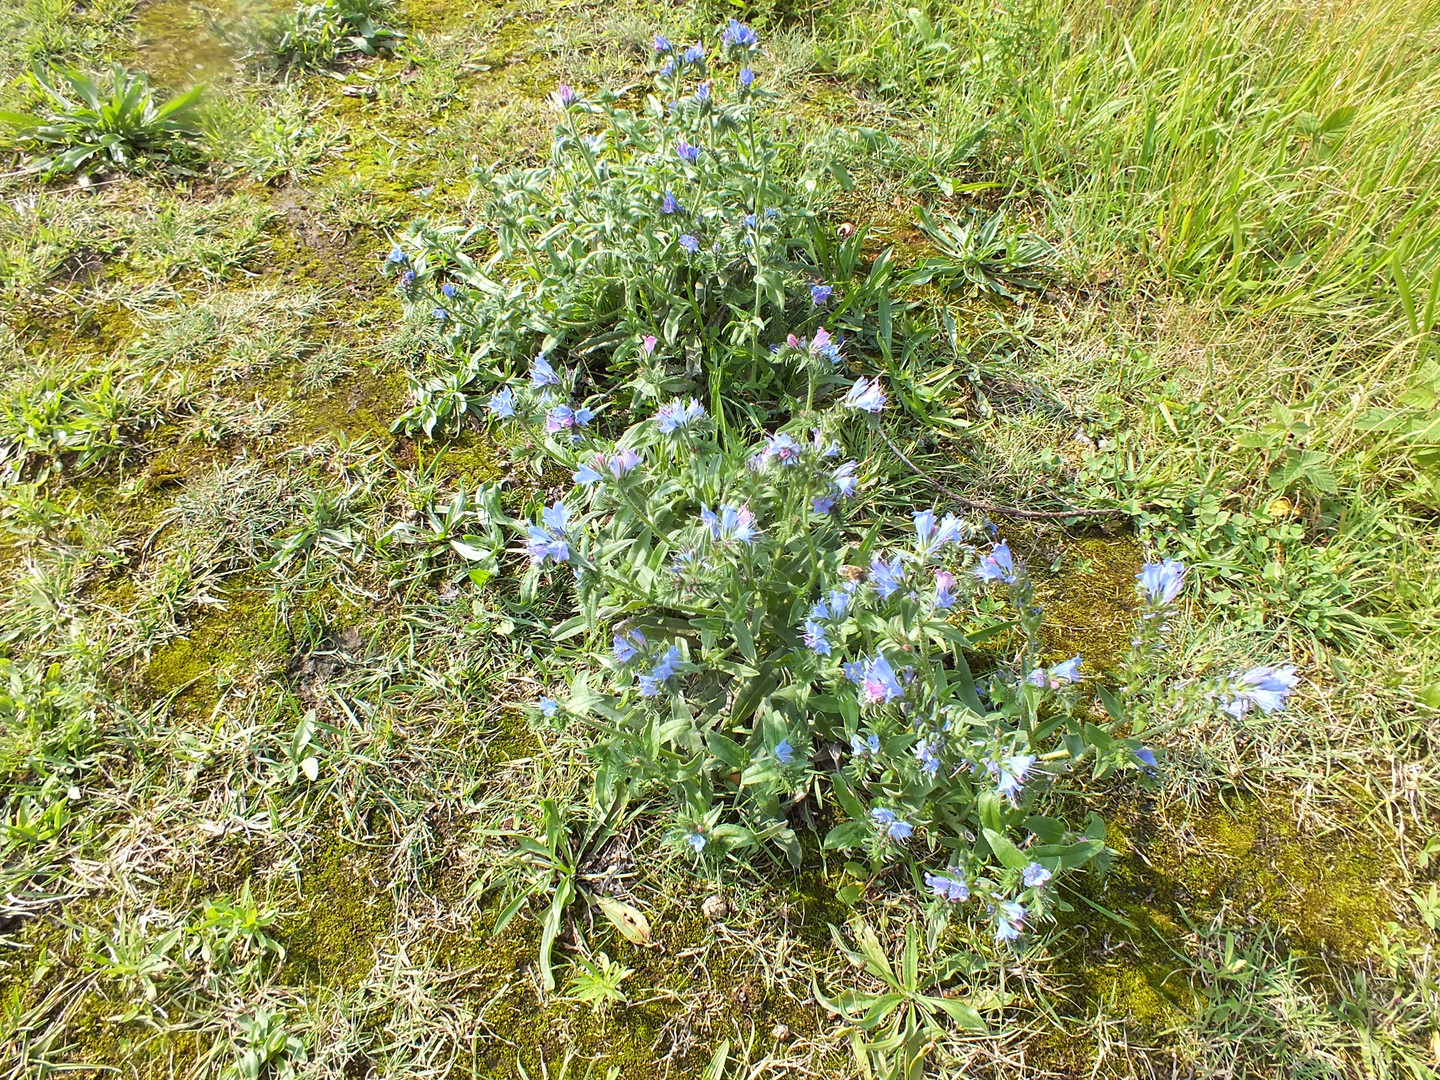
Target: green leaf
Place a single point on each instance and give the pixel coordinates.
(630, 921)
(1008, 854)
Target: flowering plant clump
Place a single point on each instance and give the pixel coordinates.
(662, 249)
(770, 668)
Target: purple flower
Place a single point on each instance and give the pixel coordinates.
(878, 683)
(944, 590)
(1162, 581)
(948, 887)
(866, 395)
(1008, 921)
(549, 539)
(622, 463)
(564, 96)
(826, 348)
(648, 343)
(815, 639)
(1068, 672)
(820, 294)
(888, 578)
(669, 205)
(671, 418)
(541, 373)
(628, 646)
(1035, 876)
(689, 243)
(822, 504)
(560, 418)
(784, 752)
(661, 44)
(548, 706)
(746, 77)
(896, 828)
(688, 153)
(732, 523)
(998, 565)
(502, 404)
(1265, 688)
(782, 448)
(844, 478)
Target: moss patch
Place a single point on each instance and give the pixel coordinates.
(221, 648)
(344, 910)
(1087, 587)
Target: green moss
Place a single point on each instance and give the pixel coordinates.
(1087, 587)
(221, 647)
(344, 910)
(362, 406)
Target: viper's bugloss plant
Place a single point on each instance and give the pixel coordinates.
(668, 249)
(768, 667)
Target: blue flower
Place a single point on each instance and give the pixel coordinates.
(1008, 920)
(1146, 757)
(689, 243)
(649, 685)
(1265, 688)
(549, 540)
(441, 314)
(1162, 581)
(784, 752)
(397, 255)
(670, 206)
(667, 665)
(815, 638)
(738, 35)
(694, 54)
(820, 294)
(688, 153)
(746, 77)
(866, 395)
(782, 448)
(1035, 876)
(878, 683)
(822, 504)
(844, 478)
(1068, 672)
(583, 416)
(702, 93)
(696, 842)
(999, 565)
(661, 44)
(1010, 774)
(628, 646)
(622, 463)
(407, 279)
(541, 373)
(585, 476)
(826, 348)
(868, 745)
(838, 605)
(888, 578)
(896, 828)
(927, 754)
(948, 887)
(944, 590)
(548, 706)
(732, 523)
(448, 289)
(502, 404)
(677, 415)
(668, 68)
(930, 537)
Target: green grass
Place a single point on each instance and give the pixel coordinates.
(1234, 344)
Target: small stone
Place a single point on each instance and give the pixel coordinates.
(781, 1033)
(715, 907)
